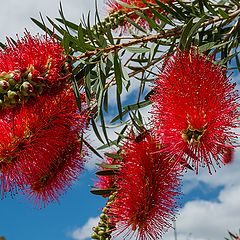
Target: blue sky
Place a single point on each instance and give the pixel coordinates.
(210, 205)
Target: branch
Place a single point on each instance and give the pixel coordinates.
(163, 34)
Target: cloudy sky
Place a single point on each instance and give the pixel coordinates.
(211, 205)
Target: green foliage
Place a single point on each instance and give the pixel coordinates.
(106, 63)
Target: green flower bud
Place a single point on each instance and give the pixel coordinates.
(12, 95)
(96, 229)
(103, 216)
(111, 197)
(104, 210)
(12, 82)
(94, 236)
(101, 233)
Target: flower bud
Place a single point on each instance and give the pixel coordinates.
(26, 88)
(103, 216)
(101, 233)
(17, 75)
(4, 85)
(29, 76)
(3, 75)
(94, 236)
(12, 95)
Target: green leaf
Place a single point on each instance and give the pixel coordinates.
(107, 172)
(71, 25)
(162, 17)
(137, 49)
(193, 30)
(166, 8)
(223, 13)
(189, 30)
(98, 191)
(44, 28)
(91, 148)
(111, 143)
(76, 93)
(124, 4)
(121, 134)
(81, 37)
(137, 122)
(109, 166)
(113, 155)
(137, 106)
(116, 118)
(95, 129)
(131, 107)
(136, 25)
(209, 7)
(119, 104)
(152, 23)
(105, 101)
(66, 41)
(205, 47)
(83, 45)
(103, 126)
(185, 33)
(2, 45)
(118, 73)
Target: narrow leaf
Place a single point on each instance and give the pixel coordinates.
(137, 49)
(107, 172)
(109, 166)
(91, 148)
(118, 73)
(98, 191)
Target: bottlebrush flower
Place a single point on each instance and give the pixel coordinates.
(47, 183)
(115, 7)
(40, 144)
(30, 67)
(195, 110)
(147, 188)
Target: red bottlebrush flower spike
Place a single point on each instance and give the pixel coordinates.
(195, 110)
(147, 187)
(30, 67)
(115, 7)
(49, 182)
(41, 141)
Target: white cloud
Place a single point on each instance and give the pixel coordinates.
(85, 231)
(210, 220)
(16, 14)
(227, 175)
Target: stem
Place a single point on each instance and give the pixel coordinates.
(163, 34)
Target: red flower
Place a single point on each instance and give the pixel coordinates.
(147, 187)
(195, 110)
(114, 7)
(41, 141)
(47, 183)
(31, 66)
